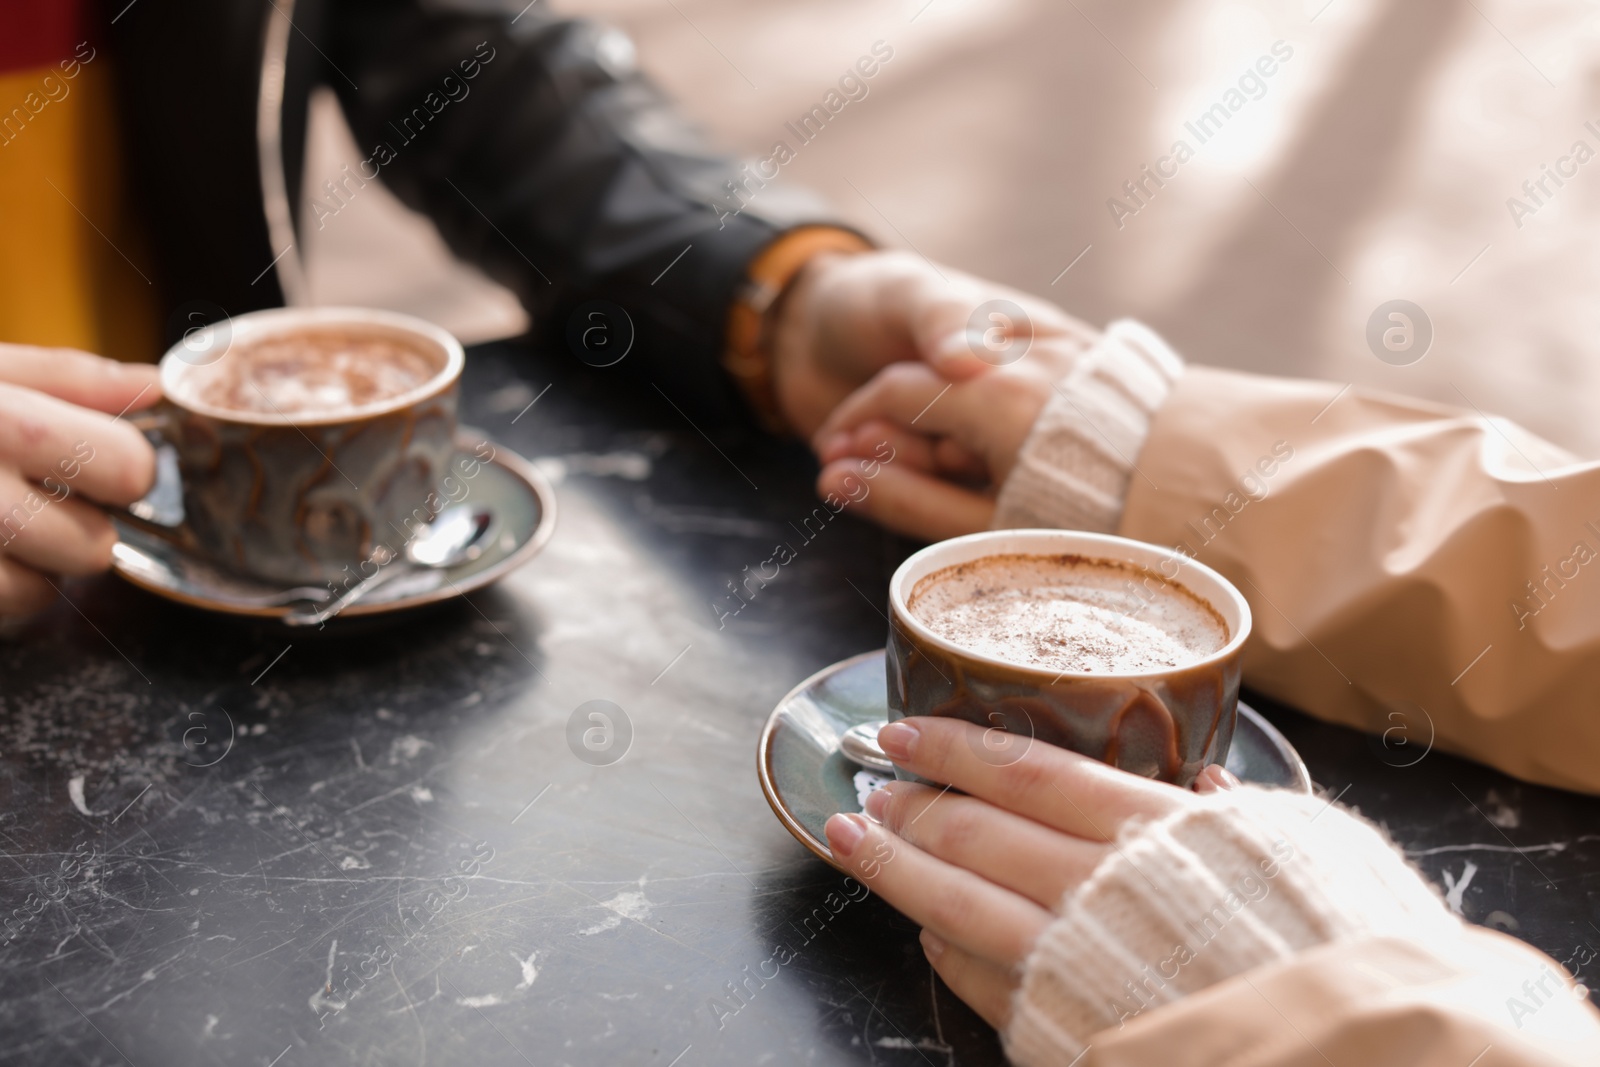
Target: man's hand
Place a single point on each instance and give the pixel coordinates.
(846, 317)
(61, 449)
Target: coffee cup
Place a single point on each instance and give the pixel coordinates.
(307, 439)
(1123, 651)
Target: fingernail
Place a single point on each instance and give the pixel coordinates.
(844, 834)
(1227, 779)
(835, 446)
(959, 348)
(898, 740)
(932, 945)
(953, 345)
(877, 804)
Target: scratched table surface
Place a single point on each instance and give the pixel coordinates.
(225, 844)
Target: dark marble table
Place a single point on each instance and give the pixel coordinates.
(400, 859)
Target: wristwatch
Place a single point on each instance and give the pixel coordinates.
(748, 356)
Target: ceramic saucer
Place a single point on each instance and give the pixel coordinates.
(806, 778)
(521, 500)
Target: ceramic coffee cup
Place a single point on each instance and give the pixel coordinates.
(1165, 724)
(298, 499)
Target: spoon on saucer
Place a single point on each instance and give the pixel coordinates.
(859, 744)
(455, 536)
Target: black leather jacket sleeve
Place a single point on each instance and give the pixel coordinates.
(546, 159)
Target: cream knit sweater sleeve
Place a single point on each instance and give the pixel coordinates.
(1248, 877)
(1075, 466)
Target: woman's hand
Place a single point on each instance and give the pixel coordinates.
(846, 317)
(959, 440)
(61, 450)
(983, 872)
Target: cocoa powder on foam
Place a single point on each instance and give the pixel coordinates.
(1068, 613)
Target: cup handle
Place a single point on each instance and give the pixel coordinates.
(154, 424)
(175, 534)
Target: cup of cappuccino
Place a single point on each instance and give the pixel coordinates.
(308, 439)
(1122, 651)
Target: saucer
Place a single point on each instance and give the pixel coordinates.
(521, 500)
(807, 779)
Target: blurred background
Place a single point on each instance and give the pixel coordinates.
(1377, 162)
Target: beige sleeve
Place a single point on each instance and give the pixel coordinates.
(1073, 470)
(1260, 928)
(1481, 1000)
(1413, 570)
(1237, 881)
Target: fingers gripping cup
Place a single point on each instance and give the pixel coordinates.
(1122, 651)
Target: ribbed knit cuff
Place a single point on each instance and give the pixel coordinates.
(1074, 468)
(1247, 877)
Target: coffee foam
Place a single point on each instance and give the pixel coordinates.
(309, 373)
(1068, 613)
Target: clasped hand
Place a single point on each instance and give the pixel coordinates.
(955, 413)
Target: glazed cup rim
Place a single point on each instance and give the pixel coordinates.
(1194, 576)
(276, 321)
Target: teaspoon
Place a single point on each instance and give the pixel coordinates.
(454, 536)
